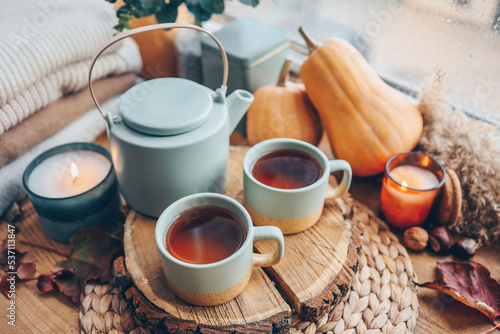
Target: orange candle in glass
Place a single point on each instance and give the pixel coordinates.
(411, 183)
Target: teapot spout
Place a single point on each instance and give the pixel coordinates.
(237, 105)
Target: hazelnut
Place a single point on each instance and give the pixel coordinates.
(465, 248)
(415, 238)
(440, 240)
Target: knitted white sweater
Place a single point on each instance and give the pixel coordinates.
(45, 51)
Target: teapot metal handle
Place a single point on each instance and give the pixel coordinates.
(152, 27)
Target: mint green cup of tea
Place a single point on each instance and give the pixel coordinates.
(205, 243)
(286, 183)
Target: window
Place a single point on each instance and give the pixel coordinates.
(405, 41)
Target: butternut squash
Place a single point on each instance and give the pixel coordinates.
(366, 120)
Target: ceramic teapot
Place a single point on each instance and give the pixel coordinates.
(169, 137)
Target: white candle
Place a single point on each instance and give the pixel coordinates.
(414, 177)
(53, 178)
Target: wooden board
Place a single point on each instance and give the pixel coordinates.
(315, 272)
(36, 311)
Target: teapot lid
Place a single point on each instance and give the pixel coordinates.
(166, 106)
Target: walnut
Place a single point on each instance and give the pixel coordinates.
(416, 238)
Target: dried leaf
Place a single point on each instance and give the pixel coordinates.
(26, 271)
(471, 284)
(91, 251)
(5, 284)
(10, 256)
(45, 283)
(58, 272)
(69, 286)
(60, 279)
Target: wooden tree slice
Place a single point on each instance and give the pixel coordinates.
(258, 309)
(319, 263)
(315, 272)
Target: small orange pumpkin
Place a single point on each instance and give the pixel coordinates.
(283, 111)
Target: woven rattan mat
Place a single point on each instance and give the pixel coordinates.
(382, 298)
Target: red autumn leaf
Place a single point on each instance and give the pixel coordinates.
(471, 284)
(10, 259)
(5, 284)
(91, 251)
(58, 272)
(69, 286)
(66, 282)
(26, 271)
(45, 283)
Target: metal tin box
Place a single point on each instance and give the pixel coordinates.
(256, 53)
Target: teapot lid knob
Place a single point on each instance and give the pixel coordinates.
(166, 106)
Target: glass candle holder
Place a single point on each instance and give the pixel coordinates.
(72, 186)
(411, 183)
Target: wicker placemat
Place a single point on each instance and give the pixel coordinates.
(382, 297)
(104, 310)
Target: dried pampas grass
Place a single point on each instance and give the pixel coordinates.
(472, 149)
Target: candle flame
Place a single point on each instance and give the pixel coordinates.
(404, 184)
(425, 161)
(74, 171)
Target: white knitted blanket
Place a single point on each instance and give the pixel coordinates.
(45, 51)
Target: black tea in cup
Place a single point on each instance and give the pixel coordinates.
(205, 234)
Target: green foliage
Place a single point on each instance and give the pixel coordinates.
(212, 6)
(166, 10)
(199, 11)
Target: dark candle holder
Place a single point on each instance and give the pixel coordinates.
(63, 217)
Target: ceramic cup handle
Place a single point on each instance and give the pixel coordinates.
(341, 189)
(152, 27)
(270, 259)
